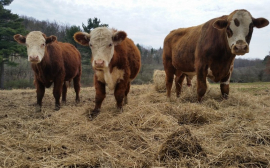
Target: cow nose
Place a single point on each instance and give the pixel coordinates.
(241, 49)
(33, 59)
(99, 63)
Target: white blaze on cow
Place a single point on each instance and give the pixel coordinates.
(35, 43)
(240, 28)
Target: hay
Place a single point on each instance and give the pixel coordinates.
(180, 144)
(150, 132)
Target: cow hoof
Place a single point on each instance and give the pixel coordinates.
(57, 107)
(64, 102)
(120, 109)
(38, 108)
(94, 114)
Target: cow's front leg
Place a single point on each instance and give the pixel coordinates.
(100, 96)
(224, 86)
(57, 90)
(201, 83)
(119, 94)
(40, 89)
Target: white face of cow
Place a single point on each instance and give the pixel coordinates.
(102, 41)
(237, 32)
(102, 47)
(35, 43)
(239, 28)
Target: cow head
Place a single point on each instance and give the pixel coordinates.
(239, 27)
(36, 43)
(101, 41)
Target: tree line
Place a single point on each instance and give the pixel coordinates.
(15, 70)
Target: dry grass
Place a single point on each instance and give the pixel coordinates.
(151, 132)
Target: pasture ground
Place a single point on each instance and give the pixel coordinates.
(152, 131)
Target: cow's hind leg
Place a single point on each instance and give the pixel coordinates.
(169, 70)
(64, 93)
(178, 82)
(77, 87)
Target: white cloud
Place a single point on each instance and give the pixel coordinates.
(147, 22)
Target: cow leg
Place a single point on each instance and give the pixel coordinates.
(201, 83)
(64, 93)
(40, 94)
(100, 96)
(126, 93)
(178, 82)
(57, 90)
(188, 81)
(119, 94)
(224, 86)
(169, 70)
(77, 87)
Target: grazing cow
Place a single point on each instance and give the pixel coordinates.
(208, 50)
(116, 61)
(52, 62)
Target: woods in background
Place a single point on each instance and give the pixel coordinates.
(15, 71)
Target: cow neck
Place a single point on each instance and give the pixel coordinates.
(43, 64)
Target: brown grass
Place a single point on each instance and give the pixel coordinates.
(151, 132)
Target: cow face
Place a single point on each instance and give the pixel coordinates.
(35, 42)
(101, 41)
(239, 28)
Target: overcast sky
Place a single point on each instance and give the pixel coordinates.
(147, 22)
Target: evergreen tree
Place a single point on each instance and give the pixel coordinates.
(70, 33)
(10, 24)
(93, 23)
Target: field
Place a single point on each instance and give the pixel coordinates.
(152, 131)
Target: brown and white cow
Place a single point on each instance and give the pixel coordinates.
(208, 50)
(116, 61)
(52, 62)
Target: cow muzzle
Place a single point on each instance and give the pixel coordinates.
(34, 59)
(240, 48)
(99, 64)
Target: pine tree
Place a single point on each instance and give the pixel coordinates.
(93, 24)
(10, 24)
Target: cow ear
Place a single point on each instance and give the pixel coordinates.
(19, 38)
(220, 24)
(118, 37)
(260, 22)
(50, 39)
(82, 38)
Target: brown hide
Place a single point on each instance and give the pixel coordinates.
(126, 57)
(192, 51)
(61, 62)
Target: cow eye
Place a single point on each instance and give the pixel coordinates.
(42, 45)
(90, 45)
(110, 44)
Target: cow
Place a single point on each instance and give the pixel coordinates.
(53, 62)
(116, 61)
(208, 50)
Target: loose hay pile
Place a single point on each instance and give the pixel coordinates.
(179, 145)
(151, 132)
